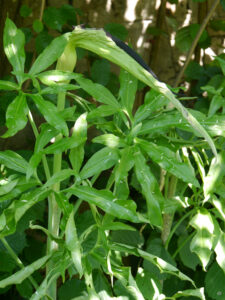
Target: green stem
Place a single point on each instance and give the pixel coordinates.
(168, 218)
(54, 211)
(176, 226)
(18, 261)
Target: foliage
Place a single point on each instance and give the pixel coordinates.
(109, 196)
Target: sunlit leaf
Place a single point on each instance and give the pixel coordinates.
(16, 115)
(220, 251)
(199, 293)
(49, 55)
(202, 242)
(14, 41)
(215, 174)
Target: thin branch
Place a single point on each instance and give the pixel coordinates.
(195, 42)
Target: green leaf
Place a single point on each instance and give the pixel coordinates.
(202, 242)
(117, 226)
(102, 111)
(215, 282)
(73, 244)
(47, 133)
(146, 283)
(216, 103)
(21, 275)
(54, 18)
(16, 115)
(215, 174)
(168, 161)
(100, 71)
(152, 104)
(220, 251)
(51, 114)
(33, 163)
(8, 85)
(64, 144)
(199, 293)
(38, 26)
(105, 200)
(14, 212)
(221, 62)
(97, 91)
(150, 189)
(219, 205)
(128, 89)
(22, 185)
(117, 30)
(161, 264)
(56, 76)
(13, 161)
(49, 55)
(59, 176)
(79, 130)
(188, 258)
(110, 140)
(14, 41)
(7, 185)
(25, 11)
(125, 164)
(99, 161)
(98, 42)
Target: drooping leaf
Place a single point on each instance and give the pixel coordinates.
(49, 55)
(202, 242)
(16, 115)
(14, 41)
(51, 114)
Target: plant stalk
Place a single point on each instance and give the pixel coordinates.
(66, 62)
